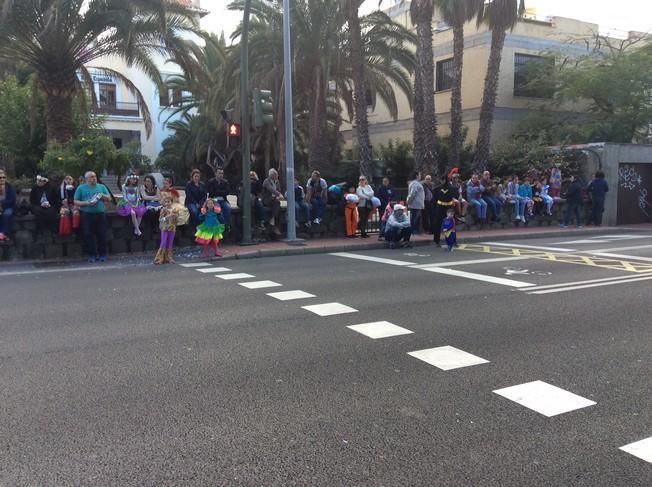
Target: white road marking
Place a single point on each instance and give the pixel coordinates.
(468, 262)
(211, 270)
(479, 277)
(533, 247)
(575, 242)
(588, 286)
(621, 256)
(620, 237)
(380, 329)
(447, 358)
(544, 398)
(329, 309)
(590, 281)
(259, 284)
(621, 249)
(640, 449)
(380, 260)
(290, 295)
(193, 265)
(89, 267)
(229, 277)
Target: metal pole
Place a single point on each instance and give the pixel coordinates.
(245, 126)
(289, 126)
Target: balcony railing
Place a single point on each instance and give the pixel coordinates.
(121, 109)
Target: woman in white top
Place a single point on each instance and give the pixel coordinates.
(365, 192)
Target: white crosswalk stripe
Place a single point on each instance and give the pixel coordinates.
(544, 398)
(640, 449)
(329, 309)
(380, 329)
(259, 284)
(193, 265)
(291, 295)
(233, 277)
(213, 270)
(447, 357)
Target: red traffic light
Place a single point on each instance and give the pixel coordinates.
(233, 129)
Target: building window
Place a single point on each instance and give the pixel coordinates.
(177, 98)
(164, 98)
(107, 96)
(445, 75)
(528, 68)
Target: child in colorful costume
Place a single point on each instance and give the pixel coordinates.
(448, 229)
(211, 228)
(131, 204)
(168, 218)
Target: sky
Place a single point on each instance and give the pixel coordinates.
(622, 15)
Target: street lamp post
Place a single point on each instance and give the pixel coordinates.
(289, 126)
(245, 125)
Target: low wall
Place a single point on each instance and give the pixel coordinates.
(26, 244)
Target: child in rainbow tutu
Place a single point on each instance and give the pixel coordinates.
(211, 228)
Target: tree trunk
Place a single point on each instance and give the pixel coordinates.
(483, 142)
(427, 126)
(319, 140)
(360, 91)
(456, 139)
(58, 117)
(417, 134)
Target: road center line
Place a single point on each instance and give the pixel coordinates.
(587, 286)
(523, 246)
(380, 260)
(590, 281)
(479, 277)
(469, 262)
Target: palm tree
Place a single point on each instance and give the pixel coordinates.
(425, 119)
(323, 74)
(456, 13)
(501, 16)
(59, 38)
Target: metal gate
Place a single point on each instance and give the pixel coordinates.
(634, 193)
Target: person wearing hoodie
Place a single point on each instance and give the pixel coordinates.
(398, 228)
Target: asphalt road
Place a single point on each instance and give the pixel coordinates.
(131, 374)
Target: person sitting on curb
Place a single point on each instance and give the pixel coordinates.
(398, 228)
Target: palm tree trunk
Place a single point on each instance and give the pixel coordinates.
(319, 141)
(456, 139)
(426, 128)
(359, 91)
(483, 142)
(58, 116)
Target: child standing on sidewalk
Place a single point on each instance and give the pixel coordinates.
(351, 212)
(448, 229)
(211, 228)
(168, 218)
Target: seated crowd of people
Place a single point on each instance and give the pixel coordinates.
(424, 208)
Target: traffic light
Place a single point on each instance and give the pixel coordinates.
(233, 135)
(263, 108)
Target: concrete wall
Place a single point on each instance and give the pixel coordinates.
(612, 156)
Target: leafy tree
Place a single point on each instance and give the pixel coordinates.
(89, 153)
(612, 81)
(59, 38)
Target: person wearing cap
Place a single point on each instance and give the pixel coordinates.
(398, 229)
(45, 205)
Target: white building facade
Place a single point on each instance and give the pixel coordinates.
(123, 121)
